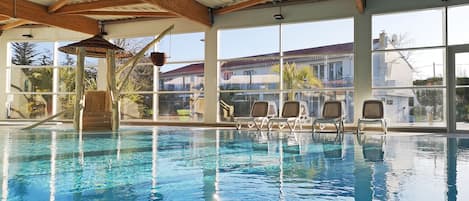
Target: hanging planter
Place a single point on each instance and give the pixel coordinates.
(158, 58)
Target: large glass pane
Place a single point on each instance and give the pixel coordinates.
(238, 104)
(413, 107)
(91, 72)
(457, 32)
(141, 78)
(64, 58)
(34, 79)
(261, 73)
(318, 71)
(247, 42)
(32, 53)
(133, 45)
(183, 47)
(181, 107)
(29, 106)
(462, 91)
(409, 29)
(67, 79)
(137, 106)
(182, 77)
(315, 101)
(305, 36)
(409, 68)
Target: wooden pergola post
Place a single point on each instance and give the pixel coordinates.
(112, 88)
(79, 88)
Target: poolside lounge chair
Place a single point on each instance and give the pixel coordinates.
(293, 113)
(261, 111)
(333, 113)
(373, 111)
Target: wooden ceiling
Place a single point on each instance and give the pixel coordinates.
(84, 15)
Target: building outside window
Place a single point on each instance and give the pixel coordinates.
(321, 70)
(408, 64)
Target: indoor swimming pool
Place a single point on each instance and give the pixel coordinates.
(180, 163)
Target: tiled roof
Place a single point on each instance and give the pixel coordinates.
(198, 68)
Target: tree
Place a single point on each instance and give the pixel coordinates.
(297, 78)
(23, 53)
(431, 98)
(141, 78)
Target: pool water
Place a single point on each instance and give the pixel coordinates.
(175, 163)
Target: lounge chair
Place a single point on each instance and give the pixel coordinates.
(261, 111)
(332, 113)
(373, 111)
(293, 113)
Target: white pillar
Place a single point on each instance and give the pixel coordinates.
(55, 79)
(362, 62)
(211, 76)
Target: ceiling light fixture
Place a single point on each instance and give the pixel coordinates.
(279, 15)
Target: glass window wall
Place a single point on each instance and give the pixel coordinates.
(409, 67)
(315, 60)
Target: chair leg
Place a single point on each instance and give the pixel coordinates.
(313, 126)
(342, 125)
(358, 127)
(256, 123)
(270, 125)
(337, 127)
(385, 126)
(264, 122)
(290, 126)
(251, 124)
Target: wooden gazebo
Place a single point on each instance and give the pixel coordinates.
(96, 47)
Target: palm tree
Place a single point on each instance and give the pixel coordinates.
(297, 78)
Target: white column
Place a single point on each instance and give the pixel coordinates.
(4, 62)
(211, 75)
(55, 78)
(362, 62)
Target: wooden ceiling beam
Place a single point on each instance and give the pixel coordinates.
(14, 24)
(360, 4)
(188, 9)
(128, 13)
(39, 14)
(239, 6)
(57, 5)
(88, 6)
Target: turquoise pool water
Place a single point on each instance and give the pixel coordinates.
(173, 163)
